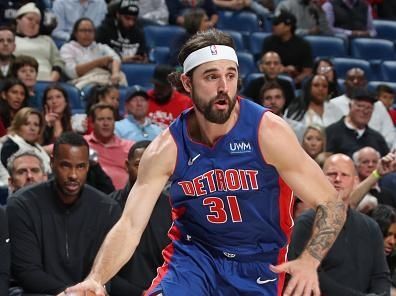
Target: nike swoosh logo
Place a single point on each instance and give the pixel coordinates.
(260, 282)
(191, 160)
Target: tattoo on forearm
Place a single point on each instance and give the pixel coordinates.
(329, 220)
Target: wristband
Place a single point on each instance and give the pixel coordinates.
(376, 174)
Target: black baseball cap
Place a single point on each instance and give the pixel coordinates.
(128, 7)
(284, 17)
(135, 91)
(362, 94)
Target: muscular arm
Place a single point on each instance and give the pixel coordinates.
(154, 170)
(281, 149)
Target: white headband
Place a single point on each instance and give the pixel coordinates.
(209, 54)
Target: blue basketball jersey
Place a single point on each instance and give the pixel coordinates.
(227, 196)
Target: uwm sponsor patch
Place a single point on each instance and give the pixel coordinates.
(238, 147)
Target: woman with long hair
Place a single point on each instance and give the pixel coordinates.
(325, 67)
(14, 95)
(314, 107)
(57, 114)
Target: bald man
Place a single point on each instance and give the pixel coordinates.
(356, 263)
(271, 66)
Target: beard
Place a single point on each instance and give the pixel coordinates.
(209, 110)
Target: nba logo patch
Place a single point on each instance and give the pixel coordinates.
(213, 50)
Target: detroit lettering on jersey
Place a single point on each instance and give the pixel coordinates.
(220, 180)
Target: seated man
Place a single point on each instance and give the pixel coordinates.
(352, 132)
(271, 65)
(25, 167)
(7, 47)
(367, 160)
(142, 268)
(297, 62)
(112, 150)
(123, 34)
(350, 18)
(56, 227)
(137, 126)
(165, 103)
(356, 264)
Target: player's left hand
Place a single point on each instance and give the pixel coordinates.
(304, 276)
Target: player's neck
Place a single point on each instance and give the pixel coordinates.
(208, 133)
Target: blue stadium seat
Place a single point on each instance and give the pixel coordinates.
(139, 74)
(73, 93)
(372, 49)
(242, 21)
(256, 41)
(159, 55)
(238, 39)
(372, 85)
(249, 78)
(385, 29)
(326, 46)
(246, 64)
(388, 69)
(161, 35)
(342, 65)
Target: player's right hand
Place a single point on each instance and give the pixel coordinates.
(89, 287)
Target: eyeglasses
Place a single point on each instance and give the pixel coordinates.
(85, 30)
(325, 69)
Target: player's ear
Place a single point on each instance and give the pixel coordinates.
(186, 81)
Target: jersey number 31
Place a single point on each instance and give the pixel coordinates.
(218, 211)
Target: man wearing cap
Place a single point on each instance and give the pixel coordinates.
(230, 207)
(295, 53)
(123, 34)
(352, 132)
(136, 126)
(67, 12)
(165, 103)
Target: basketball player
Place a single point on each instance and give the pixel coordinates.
(230, 163)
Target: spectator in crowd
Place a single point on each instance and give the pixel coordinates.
(123, 34)
(67, 12)
(359, 243)
(314, 106)
(270, 65)
(56, 227)
(141, 269)
(325, 67)
(7, 47)
(351, 18)
(257, 7)
(352, 132)
(386, 95)
(25, 167)
(178, 8)
(14, 96)
(368, 162)
(26, 68)
(311, 19)
(88, 62)
(380, 120)
(272, 96)
(8, 11)
(24, 133)
(297, 62)
(112, 150)
(30, 42)
(136, 126)
(165, 103)
(196, 20)
(106, 94)
(385, 216)
(314, 140)
(57, 113)
(4, 253)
